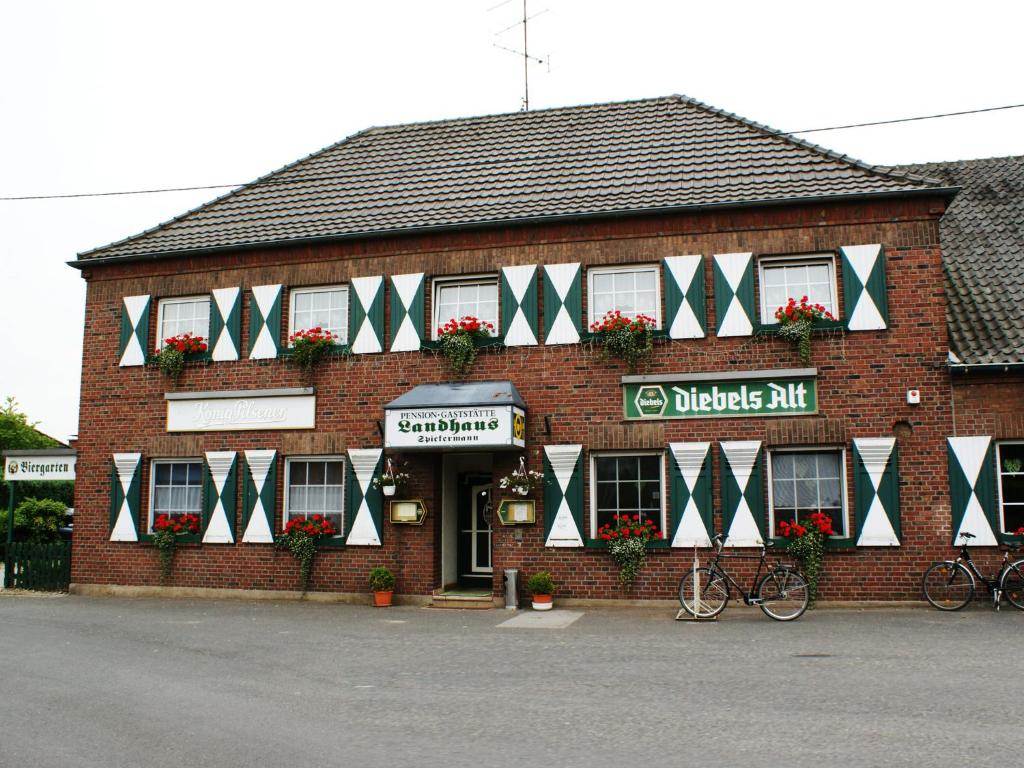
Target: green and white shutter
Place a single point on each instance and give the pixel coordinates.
(219, 497)
(367, 501)
(972, 495)
(519, 305)
(259, 497)
(563, 303)
(407, 307)
(734, 294)
(867, 308)
(125, 497)
(742, 493)
(225, 324)
(366, 315)
(685, 315)
(563, 496)
(692, 512)
(134, 330)
(265, 322)
(876, 492)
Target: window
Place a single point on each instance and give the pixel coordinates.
(631, 290)
(626, 484)
(782, 279)
(804, 482)
(315, 487)
(325, 307)
(177, 316)
(454, 299)
(1010, 458)
(175, 488)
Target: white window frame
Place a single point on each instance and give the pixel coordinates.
(999, 481)
(160, 335)
(595, 455)
(841, 450)
(152, 485)
(592, 271)
(828, 259)
(342, 339)
(344, 483)
(480, 279)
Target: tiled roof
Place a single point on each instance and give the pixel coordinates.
(983, 254)
(592, 160)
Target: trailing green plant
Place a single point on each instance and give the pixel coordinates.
(457, 339)
(300, 537)
(381, 580)
(1012, 465)
(630, 340)
(541, 583)
(309, 347)
(36, 520)
(171, 357)
(806, 543)
(627, 544)
(166, 530)
(796, 320)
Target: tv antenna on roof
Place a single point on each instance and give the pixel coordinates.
(525, 53)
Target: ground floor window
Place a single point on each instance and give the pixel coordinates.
(804, 482)
(627, 484)
(176, 488)
(315, 487)
(1010, 460)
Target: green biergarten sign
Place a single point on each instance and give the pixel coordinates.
(713, 399)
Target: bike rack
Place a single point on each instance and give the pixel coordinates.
(683, 614)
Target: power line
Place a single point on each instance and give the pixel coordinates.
(305, 179)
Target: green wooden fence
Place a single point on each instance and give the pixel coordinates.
(43, 567)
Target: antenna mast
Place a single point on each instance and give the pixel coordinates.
(525, 53)
(526, 65)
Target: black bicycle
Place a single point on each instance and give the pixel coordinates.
(781, 593)
(950, 584)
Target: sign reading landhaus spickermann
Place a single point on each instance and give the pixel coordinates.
(472, 427)
(715, 399)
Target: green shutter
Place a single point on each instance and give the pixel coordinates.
(563, 495)
(225, 340)
(125, 496)
(685, 312)
(734, 294)
(134, 331)
(259, 497)
(364, 518)
(864, 291)
(219, 497)
(742, 493)
(264, 322)
(519, 305)
(366, 315)
(972, 483)
(563, 303)
(876, 492)
(692, 513)
(407, 309)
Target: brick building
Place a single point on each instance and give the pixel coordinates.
(538, 222)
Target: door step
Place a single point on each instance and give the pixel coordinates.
(462, 598)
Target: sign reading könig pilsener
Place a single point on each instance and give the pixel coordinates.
(711, 399)
(502, 426)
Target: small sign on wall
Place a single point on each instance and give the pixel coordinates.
(517, 512)
(408, 512)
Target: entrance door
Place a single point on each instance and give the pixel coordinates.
(475, 518)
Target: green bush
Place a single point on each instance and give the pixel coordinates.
(541, 583)
(382, 580)
(35, 520)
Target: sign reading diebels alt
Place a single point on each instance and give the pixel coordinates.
(710, 399)
(502, 426)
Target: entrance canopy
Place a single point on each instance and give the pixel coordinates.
(479, 414)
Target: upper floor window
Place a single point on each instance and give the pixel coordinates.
(786, 278)
(455, 299)
(1010, 458)
(630, 290)
(175, 488)
(324, 307)
(805, 482)
(187, 315)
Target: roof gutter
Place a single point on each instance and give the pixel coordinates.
(986, 367)
(945, 192)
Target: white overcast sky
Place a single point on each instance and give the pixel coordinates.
(103, 96)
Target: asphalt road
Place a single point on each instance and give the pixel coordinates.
(112, 682)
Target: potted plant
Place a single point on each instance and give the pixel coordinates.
(806, 543)
(171, 357)
(458, 341)
(300, 537)
(382, 584)
(390, 481)
(627, 544)
(630, 339)
(522, 481)
(308, 348)
(166, 530)
(542, 587)
(796, 320)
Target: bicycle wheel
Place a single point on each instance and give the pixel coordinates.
(713, 596)
(783, 594)
(1013, 584)
(948, 586)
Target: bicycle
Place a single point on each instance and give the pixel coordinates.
(781, 593)
(950, 585)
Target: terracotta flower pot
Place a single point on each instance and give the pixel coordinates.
(382, 599)
(543, 602)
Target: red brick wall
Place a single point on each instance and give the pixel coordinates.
(862, 381)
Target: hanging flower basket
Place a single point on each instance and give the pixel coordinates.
(171, 357)
(796, 320)
(522, 481)
(629, 339)
(391, 480)
(458, 341)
